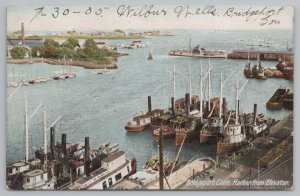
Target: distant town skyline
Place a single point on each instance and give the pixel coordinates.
(64, 18)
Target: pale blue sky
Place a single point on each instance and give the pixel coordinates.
(110, 20)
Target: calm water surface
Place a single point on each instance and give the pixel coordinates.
(99, 106)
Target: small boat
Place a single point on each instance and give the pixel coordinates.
(56, 77)
(138, 123)
(103, 71)
(150, 57)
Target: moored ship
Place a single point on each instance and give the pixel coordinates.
(113, 169)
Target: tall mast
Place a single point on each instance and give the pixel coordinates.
(221, 96)
(201, 89)
(190, 83)
(237, 100)
(248, 58)
(209, 93)
(190, 47)
(26, 130)
(174, 83)
(45, 139)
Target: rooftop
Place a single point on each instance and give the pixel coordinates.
(113, 156)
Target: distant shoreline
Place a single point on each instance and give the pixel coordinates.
(84, 64)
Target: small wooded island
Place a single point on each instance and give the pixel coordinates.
(88, 56)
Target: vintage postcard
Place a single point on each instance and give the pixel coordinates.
(149, 97)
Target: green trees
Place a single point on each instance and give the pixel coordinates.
(71, 49)
(70, 43)
(18, 52)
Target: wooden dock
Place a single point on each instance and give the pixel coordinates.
(179, 178)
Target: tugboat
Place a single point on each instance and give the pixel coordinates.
(233, 134)
(256, 124)
(257, 71)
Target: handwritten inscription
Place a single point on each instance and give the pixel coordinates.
(185, 11)
(58, 11)
(145, 11)
(263, 16)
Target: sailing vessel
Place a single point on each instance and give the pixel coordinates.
(28, 173)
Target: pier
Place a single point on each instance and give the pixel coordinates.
(263, 55)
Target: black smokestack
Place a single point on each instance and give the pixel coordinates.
(64, 145)
(254, 113)
(22, 33)
(224, 103)
(173, 105)
(52, 141)
(149, 104)
(187, 102)
(87, 157)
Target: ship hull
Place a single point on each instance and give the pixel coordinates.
(136, 128)
(180, 134)
(209, 137)
(227, 147)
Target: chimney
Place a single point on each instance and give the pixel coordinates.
(224, 103)
(149, 104)
(64, 146)
(52, 142)
(22, 33)
(173, 105)
(187, 102)
(87, 157)
(254, 113)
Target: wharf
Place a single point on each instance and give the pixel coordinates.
(179, 178)
(264, 55)
(246, 165)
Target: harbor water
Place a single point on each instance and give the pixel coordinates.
(99, 106)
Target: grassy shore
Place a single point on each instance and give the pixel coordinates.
(85, 64)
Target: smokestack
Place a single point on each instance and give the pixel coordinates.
(187, 102)
(254, 114)
(224, 103)
(64, 145)
(52, 141)
(87, 157)
(149, 104)
(22, 33)
(173, 105)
